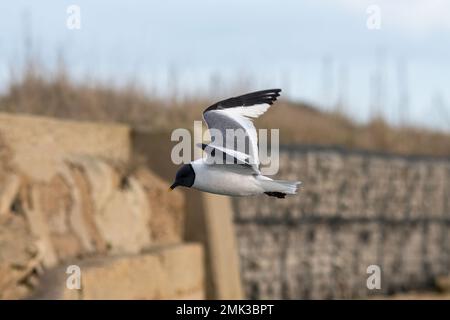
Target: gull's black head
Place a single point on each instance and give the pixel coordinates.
(185, 177)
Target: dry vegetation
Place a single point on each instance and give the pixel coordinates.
(58, 96)
(302, 124)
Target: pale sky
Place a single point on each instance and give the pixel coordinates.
(254, 44)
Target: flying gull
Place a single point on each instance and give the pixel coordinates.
(242, 176)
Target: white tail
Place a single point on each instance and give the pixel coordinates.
(283, 186)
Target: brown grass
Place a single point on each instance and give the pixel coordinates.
(304, 125)
(58, 96)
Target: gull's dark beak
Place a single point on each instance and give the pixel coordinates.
(173, 186)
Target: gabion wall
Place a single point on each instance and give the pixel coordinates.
(354, 210)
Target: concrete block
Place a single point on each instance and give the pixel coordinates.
(169, 272)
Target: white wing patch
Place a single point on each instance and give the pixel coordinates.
(244, 116)
(249, 112)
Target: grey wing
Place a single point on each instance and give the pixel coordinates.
(233, 116)
(220, 124)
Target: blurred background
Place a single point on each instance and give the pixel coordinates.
(91, 91)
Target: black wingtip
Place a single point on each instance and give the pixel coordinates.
(268, 96)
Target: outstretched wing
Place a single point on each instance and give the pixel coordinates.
(218, 155)
(236, 114)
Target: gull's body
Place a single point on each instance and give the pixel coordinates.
(242, 176)
(224, 179)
